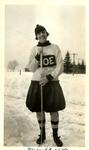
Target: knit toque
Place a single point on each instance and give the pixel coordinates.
(39, 29)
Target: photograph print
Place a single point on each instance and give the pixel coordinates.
(45, 73)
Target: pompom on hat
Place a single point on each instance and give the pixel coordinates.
(39, 29)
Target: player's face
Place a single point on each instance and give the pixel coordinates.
(42, 36)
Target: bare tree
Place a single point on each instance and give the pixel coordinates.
(12, 65)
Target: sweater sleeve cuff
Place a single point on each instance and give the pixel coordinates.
(49, 77)
(37, 57)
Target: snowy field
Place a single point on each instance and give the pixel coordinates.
(20, 125)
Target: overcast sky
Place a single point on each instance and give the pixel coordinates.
(65, 24)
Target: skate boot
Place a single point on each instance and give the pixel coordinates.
(42, 136)
(57, 140)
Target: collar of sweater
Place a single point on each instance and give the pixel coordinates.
(44, 44)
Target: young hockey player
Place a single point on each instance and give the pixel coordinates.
(47, 77)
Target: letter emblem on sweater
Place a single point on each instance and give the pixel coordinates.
(48, 61)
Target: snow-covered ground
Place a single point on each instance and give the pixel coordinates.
(21, 127)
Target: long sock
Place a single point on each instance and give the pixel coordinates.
(54, 123)
(41, 122)
(54, 120)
